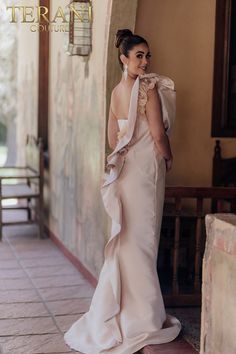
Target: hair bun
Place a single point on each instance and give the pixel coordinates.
(121, 34)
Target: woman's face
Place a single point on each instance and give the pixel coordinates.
(138, 60)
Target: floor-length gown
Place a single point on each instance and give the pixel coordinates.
(127, 310)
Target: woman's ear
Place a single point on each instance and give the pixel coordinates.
(124, 59)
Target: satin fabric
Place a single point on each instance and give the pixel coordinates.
(127, 310)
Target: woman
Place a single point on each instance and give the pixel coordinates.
(127, 311)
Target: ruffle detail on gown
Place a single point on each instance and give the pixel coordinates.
(146, 84)
(113, 207)
(84, 334)
(166, 90)
(115, 163)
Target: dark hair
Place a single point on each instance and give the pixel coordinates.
(125, 41)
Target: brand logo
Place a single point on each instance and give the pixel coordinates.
(40, 20)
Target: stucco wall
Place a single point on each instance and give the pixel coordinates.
(27, 83)
(181, 36)
(76, 142)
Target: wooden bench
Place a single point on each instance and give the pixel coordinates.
(25, 184)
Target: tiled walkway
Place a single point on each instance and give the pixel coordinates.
(42, 294)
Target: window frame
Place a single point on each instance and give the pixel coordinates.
(220, 101)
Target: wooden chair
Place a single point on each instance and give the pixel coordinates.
(224, 175)
(24, 183)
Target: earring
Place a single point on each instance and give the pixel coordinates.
(125, 71)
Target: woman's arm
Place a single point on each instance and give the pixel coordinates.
(156, 125)
(113, 128)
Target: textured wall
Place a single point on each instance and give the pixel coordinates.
(76, 142)
(181, 35)
(27, 83)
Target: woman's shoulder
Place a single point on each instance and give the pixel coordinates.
(148, 76)
(147, 82)
(151, 79)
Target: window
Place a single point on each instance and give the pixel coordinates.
(224, 85)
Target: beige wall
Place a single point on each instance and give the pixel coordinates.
(181, 37)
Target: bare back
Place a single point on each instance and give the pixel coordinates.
(120, 100)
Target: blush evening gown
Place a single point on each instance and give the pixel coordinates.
(127, 310)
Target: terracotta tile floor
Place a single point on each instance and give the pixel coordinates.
(42, 294)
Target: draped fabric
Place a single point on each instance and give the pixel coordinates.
(127, 310)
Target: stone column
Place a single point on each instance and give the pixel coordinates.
(218, 318)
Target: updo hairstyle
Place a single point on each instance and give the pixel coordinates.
(125, 41)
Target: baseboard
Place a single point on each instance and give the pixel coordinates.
(72, 258)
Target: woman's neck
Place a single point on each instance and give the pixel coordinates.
(130, 79)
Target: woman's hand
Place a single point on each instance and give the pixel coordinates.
(123, 151)
(169, 163)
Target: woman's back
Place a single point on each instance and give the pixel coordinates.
(120, 100)
(120, 106)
